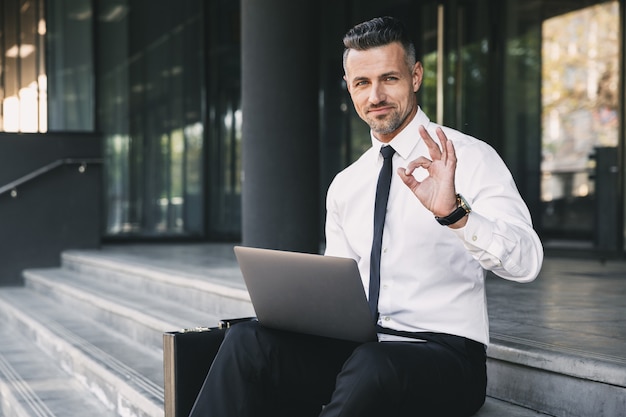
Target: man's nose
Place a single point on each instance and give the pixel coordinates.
(377, 94)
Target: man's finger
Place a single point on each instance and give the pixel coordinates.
(450, 152)
(421, 161)
(443, 139)
(433, 148)
(407, 178)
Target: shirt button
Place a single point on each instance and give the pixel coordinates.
(387, 318)
(385, 250)
(474, 238)
(385, 287)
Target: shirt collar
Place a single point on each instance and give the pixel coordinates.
(405, 141)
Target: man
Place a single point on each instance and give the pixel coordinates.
(453, 212)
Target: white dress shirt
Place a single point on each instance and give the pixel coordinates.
(432, 276)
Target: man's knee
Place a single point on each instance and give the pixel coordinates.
(371, 365)
(242, 333)
(241, 346)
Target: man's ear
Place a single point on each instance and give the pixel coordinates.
(345, 78)
(418, 74)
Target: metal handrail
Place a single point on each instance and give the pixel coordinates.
(12, 186)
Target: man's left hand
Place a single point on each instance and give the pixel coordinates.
(436, 192)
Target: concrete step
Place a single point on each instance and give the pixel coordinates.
(498, 408)
(34, 384)
(135, 312)
(556, 380)
(122, 374)
(218, 291)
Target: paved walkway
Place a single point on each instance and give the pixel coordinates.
(575, 305)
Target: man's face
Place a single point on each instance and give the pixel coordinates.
(383, 87)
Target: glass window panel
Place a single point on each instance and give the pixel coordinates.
(193, 172)
(151, 116)
(10, 100)
(189, 74)
(224, 168)
(520, 90)
(580, 61)
(28, 94)
(70, 65)
(23, 106)
(2, 62)
(429, 38)
(473, 76)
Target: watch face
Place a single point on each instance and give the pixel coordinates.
(463, 203)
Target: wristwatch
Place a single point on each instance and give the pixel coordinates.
(461, 211)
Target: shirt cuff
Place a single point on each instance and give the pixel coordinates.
(478, 237)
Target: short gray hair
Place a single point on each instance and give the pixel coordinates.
(379, 31)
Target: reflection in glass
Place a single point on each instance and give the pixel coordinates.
(225, 128)
(70, 82)
(580, 53)
(23, 91)
(150, 109)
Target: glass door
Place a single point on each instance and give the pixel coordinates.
(580, 126)
(458, 87)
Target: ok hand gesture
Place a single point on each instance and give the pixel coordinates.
(436, 192)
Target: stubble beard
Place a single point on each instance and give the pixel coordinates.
(386, 124)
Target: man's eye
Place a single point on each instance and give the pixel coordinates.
(391, 79)
(360, 83)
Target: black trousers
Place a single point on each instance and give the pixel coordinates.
(266, 372)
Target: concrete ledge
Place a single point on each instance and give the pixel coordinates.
(573, 362)
(497, 408)
(557, 381)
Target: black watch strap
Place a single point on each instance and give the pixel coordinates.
(461, 211)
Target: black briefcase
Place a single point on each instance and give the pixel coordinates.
(187, 357)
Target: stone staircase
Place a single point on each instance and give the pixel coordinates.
(85, 339)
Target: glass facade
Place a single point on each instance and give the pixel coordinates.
(23, 84)
(151, 84)
(169, 106)
(539, 81)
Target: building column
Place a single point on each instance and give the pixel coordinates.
(280, 196)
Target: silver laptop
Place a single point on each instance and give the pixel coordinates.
(305, 293)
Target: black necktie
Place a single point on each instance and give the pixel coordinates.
(380, 210)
